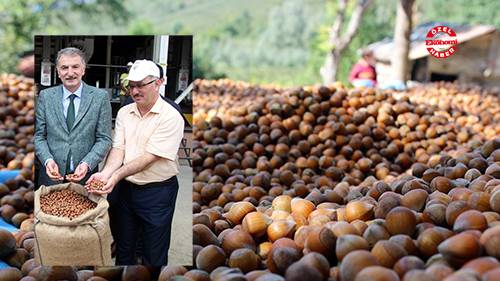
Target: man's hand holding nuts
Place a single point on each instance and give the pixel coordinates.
(104, 183)
(52, 171)
(95, 185)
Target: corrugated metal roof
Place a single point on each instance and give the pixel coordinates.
(384, 49)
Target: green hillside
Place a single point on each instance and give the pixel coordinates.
(259, 41)
(262, 41)
(196, 17)
(200, 17)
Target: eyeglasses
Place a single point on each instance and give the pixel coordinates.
(140, 86)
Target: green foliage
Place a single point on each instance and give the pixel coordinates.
(289, 49)
(141, 27)
(284, 41)
(459, 11)
(276, 51)
(239, 26)
(177, 27)
(202, 62)
(21, 19)
(261, 41)
(16, 25)
(378, 23)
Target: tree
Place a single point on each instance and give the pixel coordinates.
(338, 43)
(287, 32)
(177, 28)
(141, 27)
(460, 12)
(203, 67)
(402, 33)
(21, 19)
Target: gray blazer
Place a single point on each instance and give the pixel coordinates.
(90, 137)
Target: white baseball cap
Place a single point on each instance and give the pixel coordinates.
(142, 69)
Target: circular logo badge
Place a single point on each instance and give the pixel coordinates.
(441, 42)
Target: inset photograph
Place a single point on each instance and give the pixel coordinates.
(113, 173)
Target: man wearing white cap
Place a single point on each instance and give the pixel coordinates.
(147, 137)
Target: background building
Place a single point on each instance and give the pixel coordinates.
(476, 60)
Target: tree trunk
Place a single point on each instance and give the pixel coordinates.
(330, 69)
(339, 42)
(402, 33)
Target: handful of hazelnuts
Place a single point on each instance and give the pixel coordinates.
(95, 185)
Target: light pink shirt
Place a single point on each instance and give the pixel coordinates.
(158, 132)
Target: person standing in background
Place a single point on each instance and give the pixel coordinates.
(124, 86)
(363, 73)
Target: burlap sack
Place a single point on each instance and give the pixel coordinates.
(83, 241)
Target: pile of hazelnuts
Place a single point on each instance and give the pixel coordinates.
(331, 183)
(65, 203)
(95, 185)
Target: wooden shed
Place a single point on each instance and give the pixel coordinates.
(476, 60)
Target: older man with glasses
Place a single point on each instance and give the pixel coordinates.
(144, 161)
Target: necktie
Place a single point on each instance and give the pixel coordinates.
(70, 116)
(70, 120)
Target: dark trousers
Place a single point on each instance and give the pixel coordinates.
(143, 212)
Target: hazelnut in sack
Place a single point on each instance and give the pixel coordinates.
(71, 227)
